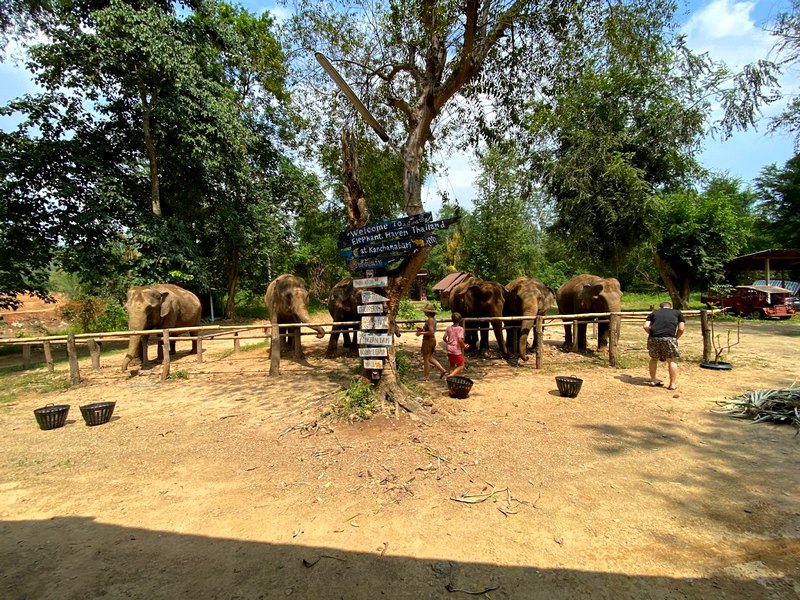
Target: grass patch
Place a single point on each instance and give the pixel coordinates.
(179, 374)
(641, 301)
(358, 401)
(33, 383)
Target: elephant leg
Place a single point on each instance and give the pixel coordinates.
(513, 334)
(143, 343)
(582, 335)
(568, 335)
(171, 347)
(285, 338)
(297, 349)
(602, 335)
(333, 342)
(193, 335)
(524, 332)
(484, 334)
(498, 334)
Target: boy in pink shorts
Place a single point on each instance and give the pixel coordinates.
(454, 338)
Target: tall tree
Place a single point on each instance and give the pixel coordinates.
(779, 192)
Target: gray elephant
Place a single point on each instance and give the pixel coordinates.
(475, 297)
(588, 294)
(162, 306)
(526, 296)
(343, 306)
(287, 302)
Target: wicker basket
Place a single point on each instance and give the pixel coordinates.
(568, 386)
(51, 416)
(459, 386)
(97, 413)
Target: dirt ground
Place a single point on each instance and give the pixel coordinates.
(226, 483)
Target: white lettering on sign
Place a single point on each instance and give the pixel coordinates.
(362, 352)
(374, 322)
(370, 309)
(374, 339)
(372, 297)
(370, 282)
(373, 363)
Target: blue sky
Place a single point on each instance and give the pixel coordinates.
(731, 31)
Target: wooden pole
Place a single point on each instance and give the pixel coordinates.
(72, 354)
(48, 355)
(199, 339)
(94, 352)
(704, 326)
(275, 351)
(297, 351)
(539, 341)
(236, 342)
(165, 363)
(614, 325)
(574, 336)
(26, 356)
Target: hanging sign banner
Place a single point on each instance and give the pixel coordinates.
(346, 238)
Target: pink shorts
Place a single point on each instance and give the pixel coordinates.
(455, 359)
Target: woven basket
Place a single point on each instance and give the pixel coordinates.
(51, 416)
(568, 386)
(97, 413)
(459, 386)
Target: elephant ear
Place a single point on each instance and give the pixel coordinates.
(596, 289)
(166, 304)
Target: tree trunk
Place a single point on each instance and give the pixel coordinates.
(233, 280)
(354, 202)
(155, 198)
(678, 288)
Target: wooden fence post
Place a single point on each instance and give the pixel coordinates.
(275, 351)
(165, 362)
(704, 326)
(236, 342)
(614, 326)
(574, 336)
(72, 353)
(48, 355)
(539, 341)
(26, 356)
(94, 352)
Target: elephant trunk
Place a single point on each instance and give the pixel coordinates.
(134, 349)
(524, 331)
(303, 317)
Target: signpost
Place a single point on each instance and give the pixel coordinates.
(371, 352)
(371, 282)
(373, 363)
(371, 297)
(374, 339)
(381, 323)
(370, 309)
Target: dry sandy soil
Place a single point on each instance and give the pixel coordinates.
(229, 484)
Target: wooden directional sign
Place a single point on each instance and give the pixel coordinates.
(373, 363)
(371, 297)
(392, 247)
(373, 262)
(346, 238)
(375, 323)
(379, 351)
(421, 229)
(370, 309)
(371, 282)
(374, 339)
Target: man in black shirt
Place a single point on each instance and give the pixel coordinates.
(664, 326)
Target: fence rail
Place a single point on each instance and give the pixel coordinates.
(94, 341)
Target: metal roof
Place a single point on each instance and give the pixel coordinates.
(452, 280)
(770, 289)
(782, 258)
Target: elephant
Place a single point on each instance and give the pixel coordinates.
(588, 294)
(343, 306)
(475, 297)
(161, 306)
(526, 296)
(287, 302)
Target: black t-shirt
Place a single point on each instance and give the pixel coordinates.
(664, 322)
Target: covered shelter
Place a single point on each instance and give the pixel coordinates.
(448, 283)
(782, 259)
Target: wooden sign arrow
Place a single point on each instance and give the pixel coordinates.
(368, 297)
(373, 363)
(380, 351)
(374, 339)
(370, 309)
(371, 282)
(417, 230)
(345, 238)
(374, 262)
(375, 323)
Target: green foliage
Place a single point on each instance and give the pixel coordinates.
(179, 374)
(779, 209)
(90, 314)
(407, 311)
(358, 400)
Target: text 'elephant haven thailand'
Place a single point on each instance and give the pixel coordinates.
(287, 302)
(588, 294)
(162, 306)
(526, 296)
(476, 298)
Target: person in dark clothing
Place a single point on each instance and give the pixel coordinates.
(664, 326)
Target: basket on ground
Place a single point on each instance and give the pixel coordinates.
(51, 416)
(568, 386)
(459, 386)
(97, 413)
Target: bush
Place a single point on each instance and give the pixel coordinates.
(90, 314)
(359, 401)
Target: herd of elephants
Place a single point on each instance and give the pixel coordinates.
(167, 306)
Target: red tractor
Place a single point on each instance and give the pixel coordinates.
(767, 301)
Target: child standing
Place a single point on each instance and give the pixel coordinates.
(428, 333)
(454, 338)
